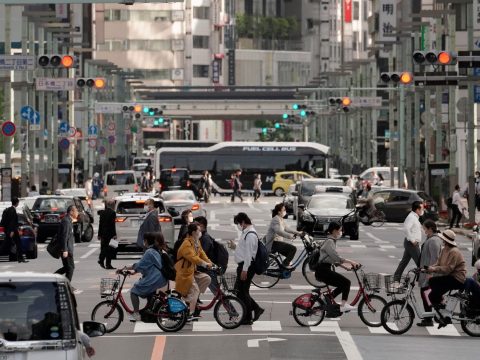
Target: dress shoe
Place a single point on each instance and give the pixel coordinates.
(22, 260)
(101, 264)
(110, 267)
(246, 322)
(257, 314)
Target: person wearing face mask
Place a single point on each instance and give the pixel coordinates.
(329, 257)
(150, 223)
(413, 237)
(188, 281)
(277, 232)
(187, 219)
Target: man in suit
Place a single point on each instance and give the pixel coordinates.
(10, 223)
(66, 238)
(106, 232)
(150, 223)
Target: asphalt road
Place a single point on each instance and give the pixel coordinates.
(276, 335)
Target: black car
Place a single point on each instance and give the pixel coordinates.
(288, 200)
(324, 208)
(397, 203)
(49, 210)
(175, 179)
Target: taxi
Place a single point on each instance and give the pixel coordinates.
(284, 179)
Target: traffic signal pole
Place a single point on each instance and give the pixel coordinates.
(24, 128)
(471, 145)
(7, 140)
(401, 125)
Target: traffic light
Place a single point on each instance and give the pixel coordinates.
(342, 103)
(295, 106)
(133, 109)
(404, 78)
(56, 61)
(277, 125)
(95, 83)
(434, 57)
(264, 130)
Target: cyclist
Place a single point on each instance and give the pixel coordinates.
(452, 273)
(152, 278)
(277, 231)
(472, 285)
(328, 257)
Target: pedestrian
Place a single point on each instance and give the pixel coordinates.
(451, 273)
(106, 232)
(187, 219)
(44, 190)
(66, 238)
(150, 223)
(245, 252)
(413, 237)
(456, 206)
(33, 191)
(10, 223)
(203, 187)
(428, 256)
(477, 190)
(257, 187)
(89, 187)
(278, 232)
(237, 186)
(96, 185)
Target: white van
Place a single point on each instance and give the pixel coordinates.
(371, 175)
(39, 320)
(120, 182)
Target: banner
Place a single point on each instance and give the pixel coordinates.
(347, 10)
(388, 20)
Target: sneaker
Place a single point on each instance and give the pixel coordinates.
(134, 317)
(192, 318)
(347, 308)
(257, 314)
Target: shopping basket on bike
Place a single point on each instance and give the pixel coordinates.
(108, 286)
(227, 282)
(396, 287)
(372, 282)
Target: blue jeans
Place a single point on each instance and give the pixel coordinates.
(473, 288)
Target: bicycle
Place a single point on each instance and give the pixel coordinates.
(376, 218)
(398, 315)
(228, 309)
(276, 270)
(310, 309)
(166, 308)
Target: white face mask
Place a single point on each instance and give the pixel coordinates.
(190, 219)
(283, 213)
(239, 227)
(421, 213)
(146, 208)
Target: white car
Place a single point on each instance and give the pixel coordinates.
(39, 320)
(130, 215)
(180, 200)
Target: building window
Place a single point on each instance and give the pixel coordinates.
(460, 17)
(200, 42)
(355, 41)
(365, 10)
(356, 10)
(137, 15)
(201, 12)
(149, 45)
(200, 71)
(365, 41)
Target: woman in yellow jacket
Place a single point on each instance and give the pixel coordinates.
(188, 281)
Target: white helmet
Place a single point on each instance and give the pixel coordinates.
(477, 264)
(96, 175)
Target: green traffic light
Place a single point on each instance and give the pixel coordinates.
(161, 120)
(264, 130)
(155, 122)
(146, 109)
(285, 116)
(303, 113)
(295, 106)
(277, 126)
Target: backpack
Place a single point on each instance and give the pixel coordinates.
(220, 255)
(168, 267)
(449, 202)
(174, 251)
(260, 263)
(313, 259)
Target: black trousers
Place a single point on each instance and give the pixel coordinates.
(68, 267)
(325, 273)
(243, 291)
(256, 194)
(236, 192)
(440, 285)
(411, 252)
(456, 215)
(107, 253)
(427, 307)
(286, 249)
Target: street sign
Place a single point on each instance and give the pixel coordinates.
(108, 108)
(92, 131)
(26, 112)
(63, 128)
(367, 101)
(35, 120)
(55, 84)
(64, 144)
(17, 62)
(34, 127)
(72, 131)
(8, 128)
(92, 143)
(387, 134)
(111, 139)
(102, 150)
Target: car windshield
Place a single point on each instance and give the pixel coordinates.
(121, 179)
(178, 195)
(135, 207)
(52, 204)
(330, 202)
(31, 311)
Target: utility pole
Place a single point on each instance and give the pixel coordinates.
(24, 123)
(41, 110)
(8, 86)
(32, 102)
(452, 113)
(471, 146)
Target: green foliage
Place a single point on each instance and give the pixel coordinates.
(266, 27)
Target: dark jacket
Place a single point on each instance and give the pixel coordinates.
(150, 224)
(183, 232)
(207, 245)
(66, 237)
(106, 227)
(10, 220)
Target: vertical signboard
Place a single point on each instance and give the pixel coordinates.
(6, 174)
(216, 65)
(347, 10)
(388, 20)
(231, 67)
(476, 15)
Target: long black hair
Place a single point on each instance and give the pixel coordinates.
(276, 210)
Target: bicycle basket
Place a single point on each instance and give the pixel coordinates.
(396, 287)
(372, 281)
(108, 286)
(176, 305)
(227, 282)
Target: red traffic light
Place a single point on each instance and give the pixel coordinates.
(67, 61)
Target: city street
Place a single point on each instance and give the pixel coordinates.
(276, 335)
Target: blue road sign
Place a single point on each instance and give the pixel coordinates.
(63, 128)
(35, 118)
(476, 88)
(92, 130)
(26, 112)
(8, 128)
(64, 144)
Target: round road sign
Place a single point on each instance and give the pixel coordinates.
(111, 139)
(8, 128)
(64, 144)
(92, 143)
(111, 126)
(72, 131)
(102, 150)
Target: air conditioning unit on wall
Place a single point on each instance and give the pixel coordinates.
(177, 74)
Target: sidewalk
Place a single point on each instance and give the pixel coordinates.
(462, 231)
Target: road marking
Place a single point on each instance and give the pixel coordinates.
(256, 342)
(90, 252)
(301, 287)
(449, 330)
(388, 246)
(212, 216)
(378, 330)
(391, 256)
(206, 326)
(94, 245)
(348, 345)
(266, 326)
(384, 250)
(326, 326)
(141, 327)
(374, 238)
(358, 246)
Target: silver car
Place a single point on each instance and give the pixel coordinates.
(180, 200)
(130, 215)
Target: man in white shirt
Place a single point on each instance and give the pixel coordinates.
(456, 206)
(413, 237)
(245, 253)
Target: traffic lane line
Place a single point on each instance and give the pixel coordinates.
(158, 348)
(88, 253)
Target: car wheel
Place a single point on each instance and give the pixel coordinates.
(88, 234)
(279, 192)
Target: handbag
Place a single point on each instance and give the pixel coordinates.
(53, 248)
(113, 243)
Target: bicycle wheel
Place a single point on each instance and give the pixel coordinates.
(472, 325)
(310, 317)
(378, 218)
(309, 275)
(394, 322)
(369, 310)
(110, 317)
(229, 312)
(170, 322)
(270, 277)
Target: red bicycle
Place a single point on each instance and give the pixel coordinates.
(167, 309)
(310, 309)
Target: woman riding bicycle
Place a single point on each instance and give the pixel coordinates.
(152, 278)
(328, 257)
(277, 231)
